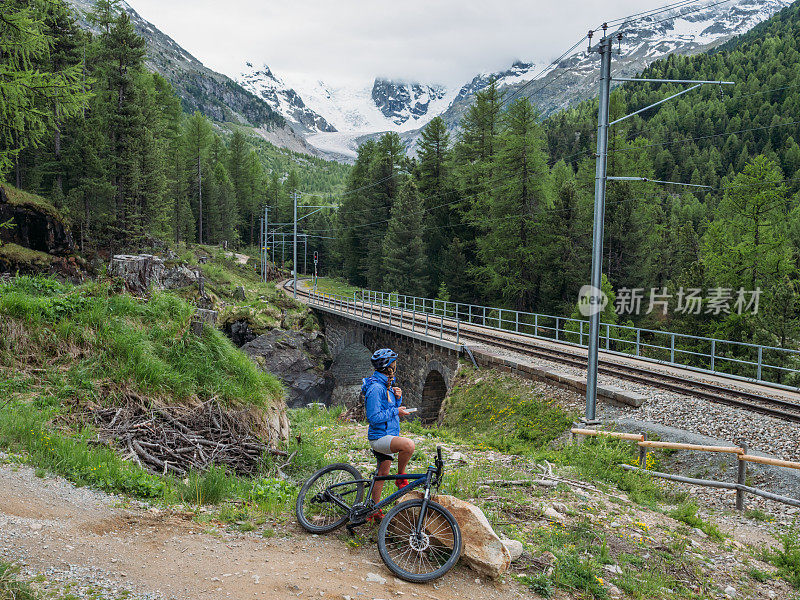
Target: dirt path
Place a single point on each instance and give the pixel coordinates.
(70, 533)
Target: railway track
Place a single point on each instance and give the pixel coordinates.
(775, 407)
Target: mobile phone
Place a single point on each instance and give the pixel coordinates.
(411, 410)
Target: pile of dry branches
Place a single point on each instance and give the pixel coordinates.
(178, 440)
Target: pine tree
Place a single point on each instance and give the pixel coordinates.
(746, 244)
(510, 245)
(120, 64)
(384, 169)
(405, 263)
(32, 93)
(197, 137)
(353, 215)
(436, 186)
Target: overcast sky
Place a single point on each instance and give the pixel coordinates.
(434, 41)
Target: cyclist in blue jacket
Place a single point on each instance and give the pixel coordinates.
(383, 407)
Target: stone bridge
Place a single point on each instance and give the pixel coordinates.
(426, 368)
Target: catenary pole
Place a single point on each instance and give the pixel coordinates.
(294, 259)
(604, 47)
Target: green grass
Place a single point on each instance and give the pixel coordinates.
(686, 512)
(14, 256)
(493, 410)
(756, 514)
(498, 411)
(125, 343)
(329, 285)
(787, 557)
(17, 197)
(11, 587)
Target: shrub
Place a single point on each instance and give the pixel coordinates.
(686, 512)
(787, 557)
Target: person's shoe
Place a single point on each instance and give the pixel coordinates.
(401, 483)
(375, 517)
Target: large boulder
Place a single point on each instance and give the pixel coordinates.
(140, 272)
(179, 276)
(483, 551)
(298, 359)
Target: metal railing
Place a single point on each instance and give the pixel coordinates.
(741, 360)
(420, 322)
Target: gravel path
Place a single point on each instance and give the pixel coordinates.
(95, 547)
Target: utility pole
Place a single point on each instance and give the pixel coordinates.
(294, 258)
(604, 47)
(261, 246)
(595, 297)
(305, 254)
(265, 250)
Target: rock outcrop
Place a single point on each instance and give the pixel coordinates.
(35, 223)
(298, 359)
(483, 551)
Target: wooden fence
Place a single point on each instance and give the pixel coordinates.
(740, 451)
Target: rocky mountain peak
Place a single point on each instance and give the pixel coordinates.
(400, 101)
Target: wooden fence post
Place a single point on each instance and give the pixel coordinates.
(643, 454)
(741, 479)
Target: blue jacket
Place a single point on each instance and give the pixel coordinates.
(381, 405)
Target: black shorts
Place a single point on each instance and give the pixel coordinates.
(380, 456)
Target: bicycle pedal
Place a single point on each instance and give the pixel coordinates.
(351, 527)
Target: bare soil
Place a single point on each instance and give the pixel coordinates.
(54, 528)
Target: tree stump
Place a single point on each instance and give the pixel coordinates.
(203, 317)
(138, 272)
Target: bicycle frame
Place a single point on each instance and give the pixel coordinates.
(419, 479)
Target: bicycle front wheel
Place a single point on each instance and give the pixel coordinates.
(419, 557)
(324, 501)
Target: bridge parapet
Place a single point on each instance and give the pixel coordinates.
(427, 365)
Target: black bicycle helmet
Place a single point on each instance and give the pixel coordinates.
(383, 358)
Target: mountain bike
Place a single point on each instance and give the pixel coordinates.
(418, 540)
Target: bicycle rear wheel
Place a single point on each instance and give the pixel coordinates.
(324, 501)
(419, 558)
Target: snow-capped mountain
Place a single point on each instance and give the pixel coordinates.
(283, 99)
(315, 106)
(691, 29)
(201, 88)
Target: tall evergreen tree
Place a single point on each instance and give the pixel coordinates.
(437, 188)
(384, 169)
(405, 264)
(746, 244)
(512, 239)
(34, 95)
(197, 134)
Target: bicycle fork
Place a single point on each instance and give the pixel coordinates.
(424, 509)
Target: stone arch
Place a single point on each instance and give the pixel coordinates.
(434, 391)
